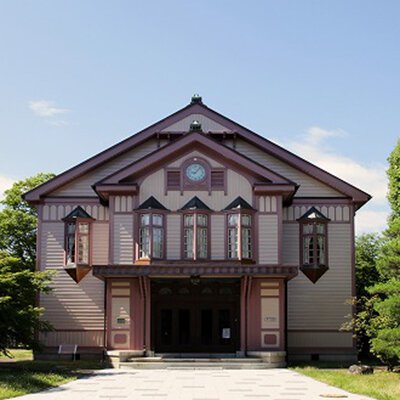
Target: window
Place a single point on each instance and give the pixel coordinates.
(195, 236)
(239, 236)
(77, 237)
(313, 243)
(151, 235)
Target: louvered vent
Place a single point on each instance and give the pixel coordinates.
(217, 179)
(174, 179)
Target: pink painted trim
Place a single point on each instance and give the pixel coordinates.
(110, 153)
(297, 162)
(111, 211)
(208, 214)
(71, 200)
(279, 201)
(156, 159)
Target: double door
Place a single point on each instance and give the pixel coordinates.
(195, 324)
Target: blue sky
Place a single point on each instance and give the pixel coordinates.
(319, 77)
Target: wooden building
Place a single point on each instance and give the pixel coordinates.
(197, 235)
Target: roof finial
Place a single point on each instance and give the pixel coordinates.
(195, 126)
(196, 98)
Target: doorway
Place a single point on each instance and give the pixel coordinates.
(195, 316)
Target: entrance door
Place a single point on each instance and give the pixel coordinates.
(202, 317)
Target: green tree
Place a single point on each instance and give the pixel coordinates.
(19, 282)
(18, 221)
(393, 174)
(367, 252)
(385, 326)
(19, 317)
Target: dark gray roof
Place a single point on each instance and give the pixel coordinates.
(195, 204)
(151, 203)
(77, 212)
(239, 203)
(313, 213)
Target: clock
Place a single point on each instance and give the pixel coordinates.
(195, 172)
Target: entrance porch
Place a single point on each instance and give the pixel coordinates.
(210, 317)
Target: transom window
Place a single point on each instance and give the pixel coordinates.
(195, 236)
(239, 236)
(151, 235)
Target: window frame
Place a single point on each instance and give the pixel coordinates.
(151, 228)
(239, 228)
(77, 235)
(195, 213)
(314, 222)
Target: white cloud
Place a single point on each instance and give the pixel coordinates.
(44, 108)
(368, 176)
(370, 221)
(5, 183)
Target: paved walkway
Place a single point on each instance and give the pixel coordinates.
(111, 384)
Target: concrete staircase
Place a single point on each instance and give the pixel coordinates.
(202, 361)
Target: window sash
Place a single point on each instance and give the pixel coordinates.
(195, 236)
(77, 243)
(314, 243)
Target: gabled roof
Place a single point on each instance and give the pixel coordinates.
(185, 143)
(197, 107)
(313, 213)
(195, 204)
(77, 212)
(238, 204)
(151, 204)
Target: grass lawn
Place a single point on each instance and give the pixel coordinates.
(22, 377)
(17, 355)
(380, 385)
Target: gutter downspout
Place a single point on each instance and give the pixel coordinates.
(143, 295)
(105, 321)
(286, 319)
(248, 291)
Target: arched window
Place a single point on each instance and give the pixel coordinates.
(313, 244)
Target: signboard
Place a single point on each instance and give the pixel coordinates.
(226, 333)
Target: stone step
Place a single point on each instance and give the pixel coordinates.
(190, 365)
(195, 360)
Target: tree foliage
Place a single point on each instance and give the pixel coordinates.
(19, 282)
(19, 317)
(394, 181)
(384, 330)
(18, 221)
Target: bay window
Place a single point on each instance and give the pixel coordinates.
(151, 235)
(239, 236)
(313, 244)
(77, 238)
(195, 236)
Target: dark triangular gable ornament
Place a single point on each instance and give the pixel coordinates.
(151, 204)
(239, 204)
(77, 212)
(313, 214)
(195, 204)
(312, 272)
(77, 273)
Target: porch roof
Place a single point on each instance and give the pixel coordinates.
(183, 270)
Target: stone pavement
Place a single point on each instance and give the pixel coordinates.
(200, 384)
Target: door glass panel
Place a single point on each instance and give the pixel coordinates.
(206, 326)
(166, 327)
(224, 328)
(184, 326)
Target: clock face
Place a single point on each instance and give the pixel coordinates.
(195, 172)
